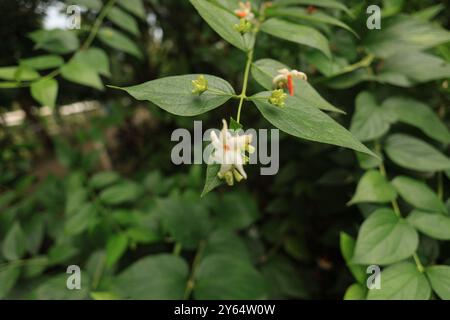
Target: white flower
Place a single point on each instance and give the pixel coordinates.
(285, 79)
(229, 152)
(245, 11)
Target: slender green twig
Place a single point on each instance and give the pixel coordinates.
(243, 94)
(191, 281)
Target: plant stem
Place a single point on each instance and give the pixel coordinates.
(177, 249)
(191, 281)
(396, 208)
(97, 24)
(245, 84)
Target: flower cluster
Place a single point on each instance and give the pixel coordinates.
(278, 98)
(229, 152)
(245, 11)
(285, 79)
(200, 85)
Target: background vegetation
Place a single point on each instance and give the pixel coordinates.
(97, 189)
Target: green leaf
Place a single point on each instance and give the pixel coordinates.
(296, 33)
(75, 199)
(119, 41)
(303, 14)
(160, 276)
(14, 243)
(238, 279)
(223, 22)
(385, 238)
(356, 292)
(185, 220)
(284, 279)
(439, 277)
(81, 220)
(301, 120)
(401, 281)
(103, 179)
(43, 62)
(115, 248)
(96, 59)
(406, 70)
(174, 94)
(264, 70)
(18, 73)
(429, 13)
(212, 180)
(402, 148)
(434, 225)
(55, 288)
(45, 91)
(404, 34)
(78, 72)
(121, 193)
(370, 121)
(347, 244)
(9, 275)
(418, 194)
(135, 7)
(35, 267)
(34, 233)
(332, 4)
(55, 41)
(123, 20)
(418, 114)
(236, 211)
(226, 242)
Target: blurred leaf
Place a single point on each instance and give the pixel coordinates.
(332, 4)
(296, 33)
(61, 253)
(238, 279)
(174, 94)
(434, 225)
(96, 59)
(373, 187)
(236, 211)
(90, 4)
(185, 220)
(402, 148)
(385, 238)
(8, 277)
(402, 281)
(34, 233)
(226, 242)
(121, 193)
(55, 41)
(119, 41)
(347, 245)
(370, 121)
(14, 243)
(78, 72)
(115, 248)
(301, 120)
(74, 201)
(43, 62)
(439, 277)
(264, 70)
(303, 14)
(35, 267)
(81, 220)
(403, 34)
(418, 194)
(223, 22)
(355, 292)
(123, 20)
(160, 276)
(45, 91)
(11, 73)
(418, 114)
(104, 296)
(136, 7)
(55, 288)
(103, 179)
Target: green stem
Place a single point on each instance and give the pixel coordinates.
(243, 94)
(191, 281)
(177, 249)
(396, 208)
(97, 24)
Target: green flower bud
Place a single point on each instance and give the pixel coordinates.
(244, 26)
(278, 98)
(200, 85)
